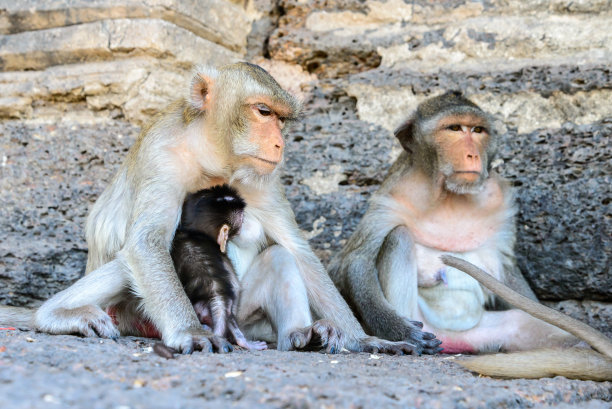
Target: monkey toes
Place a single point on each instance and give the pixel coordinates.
(88, 320)
(198, 339)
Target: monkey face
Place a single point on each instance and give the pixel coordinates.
(462, 155)
(263, 145)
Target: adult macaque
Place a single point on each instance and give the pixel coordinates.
(209, 219)
(441, 196)
(228, 130)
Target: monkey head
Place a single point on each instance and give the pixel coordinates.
(248, 112)
(451, 138)
(217, 212)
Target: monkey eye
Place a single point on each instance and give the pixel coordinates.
(263, 110)
(479, 129)
(454, 127)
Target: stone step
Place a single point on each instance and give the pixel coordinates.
(105, 40)
(527, 99)
(218, 21)
(363, 36)
(134, 88)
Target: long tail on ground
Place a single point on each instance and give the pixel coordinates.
(16, 317)
(572, 363)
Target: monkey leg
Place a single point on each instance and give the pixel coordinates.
(507, 331)
(388, 312)
(78, 309)
(240, 339)
(273, 300)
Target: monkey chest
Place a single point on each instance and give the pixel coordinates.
(449, 298)
(245, 246)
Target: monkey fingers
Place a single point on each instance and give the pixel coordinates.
(321, 334)
(198, 339)
(221, 345)
(377, 345)
(298, 339)
(325, 334)
(425, 342)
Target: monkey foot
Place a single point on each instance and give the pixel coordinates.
(254, 345)
(88, 320)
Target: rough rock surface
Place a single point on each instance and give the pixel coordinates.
(60, 170)
(38, 370)
(79, 78)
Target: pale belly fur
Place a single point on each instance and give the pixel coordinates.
(456, 303)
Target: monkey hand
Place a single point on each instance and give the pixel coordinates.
(412, 333)
(377, 345)
(197, 339)
(321, 334)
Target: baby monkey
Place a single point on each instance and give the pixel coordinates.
(210, 218)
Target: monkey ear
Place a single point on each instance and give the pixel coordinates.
(222, 237)
(405, 134)
(201, 86)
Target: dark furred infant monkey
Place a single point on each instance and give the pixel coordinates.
(209, 219)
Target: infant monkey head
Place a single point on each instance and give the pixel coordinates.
(217, 212)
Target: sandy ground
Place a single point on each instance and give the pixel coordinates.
(42, 371)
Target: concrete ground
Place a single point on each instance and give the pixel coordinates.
(43, 371)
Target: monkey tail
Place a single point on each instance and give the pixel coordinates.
(16, 317)
(573, 363)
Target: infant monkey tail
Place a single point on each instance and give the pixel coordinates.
(596, 339)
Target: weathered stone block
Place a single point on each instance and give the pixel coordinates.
(343, 37)
(218, 21)
(105, 40)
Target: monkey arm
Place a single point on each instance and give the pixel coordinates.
(154, 218)
(379, 253)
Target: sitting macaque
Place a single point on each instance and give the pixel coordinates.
(442, 197)
(230, 126)
(210, 218)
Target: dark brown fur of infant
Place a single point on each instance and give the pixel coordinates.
(210, 218)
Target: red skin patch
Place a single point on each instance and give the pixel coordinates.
(452, 346)
(143, 327)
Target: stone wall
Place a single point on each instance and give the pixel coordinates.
(80, 76)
